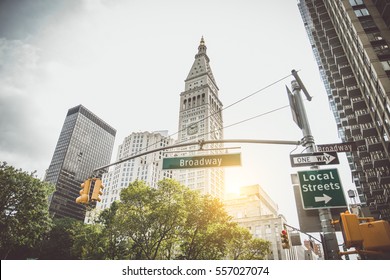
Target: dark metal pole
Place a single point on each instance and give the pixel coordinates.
(330, 245)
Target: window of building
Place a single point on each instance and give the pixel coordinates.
(382, 50)
(368, 25)
(258, 231)
(386, 65)
(361, 12)
(355, 2)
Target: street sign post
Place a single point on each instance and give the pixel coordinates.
(206, 161)
(321, 188)
(310, 159)
(330, 245)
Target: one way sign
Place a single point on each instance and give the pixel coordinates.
(314, 159)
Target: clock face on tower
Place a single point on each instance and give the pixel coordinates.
(192, 129)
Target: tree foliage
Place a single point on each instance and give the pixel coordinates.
(151, 217)
(206, 230)
(24, 211)
(168, 222)
(174, 222)
(117, 246)
(58, 243)
(89, 242)
(243, 246)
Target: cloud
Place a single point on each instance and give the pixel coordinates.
(19, 73)
(37, 78)
(20, 19)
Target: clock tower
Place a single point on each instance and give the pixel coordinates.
(200, 118)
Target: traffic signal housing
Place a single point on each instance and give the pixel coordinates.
(84, 192)
(376, 236)
(97, 190)
(351, 230)
(285, 239)
(370, 238)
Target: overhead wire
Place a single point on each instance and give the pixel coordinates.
(245, 120)
(238, 101)
(239, 122)
(225, 108)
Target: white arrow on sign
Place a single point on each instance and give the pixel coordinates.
(324, 197)
(327, 158)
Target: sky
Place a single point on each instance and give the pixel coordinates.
(126, 61)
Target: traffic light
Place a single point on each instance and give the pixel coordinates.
(84, 192)
(351, 232)
(97, 190)
(376, 236)
(285, 240)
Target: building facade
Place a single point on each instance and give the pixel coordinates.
(255, 210)
(85, 143)
(351, 39)
(200, 118)
(313, 250)
(146, 168)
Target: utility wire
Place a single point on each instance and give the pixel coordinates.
(219, 111)
(238, 101)
(233, 124)
(249, 119)
(260, 115)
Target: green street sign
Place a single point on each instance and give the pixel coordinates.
(202, 161)
(321, 188)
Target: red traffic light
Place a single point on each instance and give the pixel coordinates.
(284, 239)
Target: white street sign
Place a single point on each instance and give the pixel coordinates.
(314, 159)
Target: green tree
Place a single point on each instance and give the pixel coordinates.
(151, 217)
(243, 246)
(89, 242)
(257, 249)
(169, 222)
(24, 214)
(116, 245)
(207, 228)
(59, 241)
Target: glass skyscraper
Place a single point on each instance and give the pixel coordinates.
(85, 143)
(351, 41)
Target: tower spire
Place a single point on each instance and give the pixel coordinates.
(202, 40)
(201, 64)
(202, 47)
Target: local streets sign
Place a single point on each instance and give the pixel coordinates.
(202, 161)
(321, 188)
(313, 159)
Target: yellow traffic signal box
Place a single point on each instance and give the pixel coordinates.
(351, 231)
(376, 235)
(97, 190)
(84, 192)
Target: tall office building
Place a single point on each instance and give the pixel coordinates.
(351, 39)
(85, 143)
(200, 118)
(147, 168)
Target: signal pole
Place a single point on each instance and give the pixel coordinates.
(330, 244)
